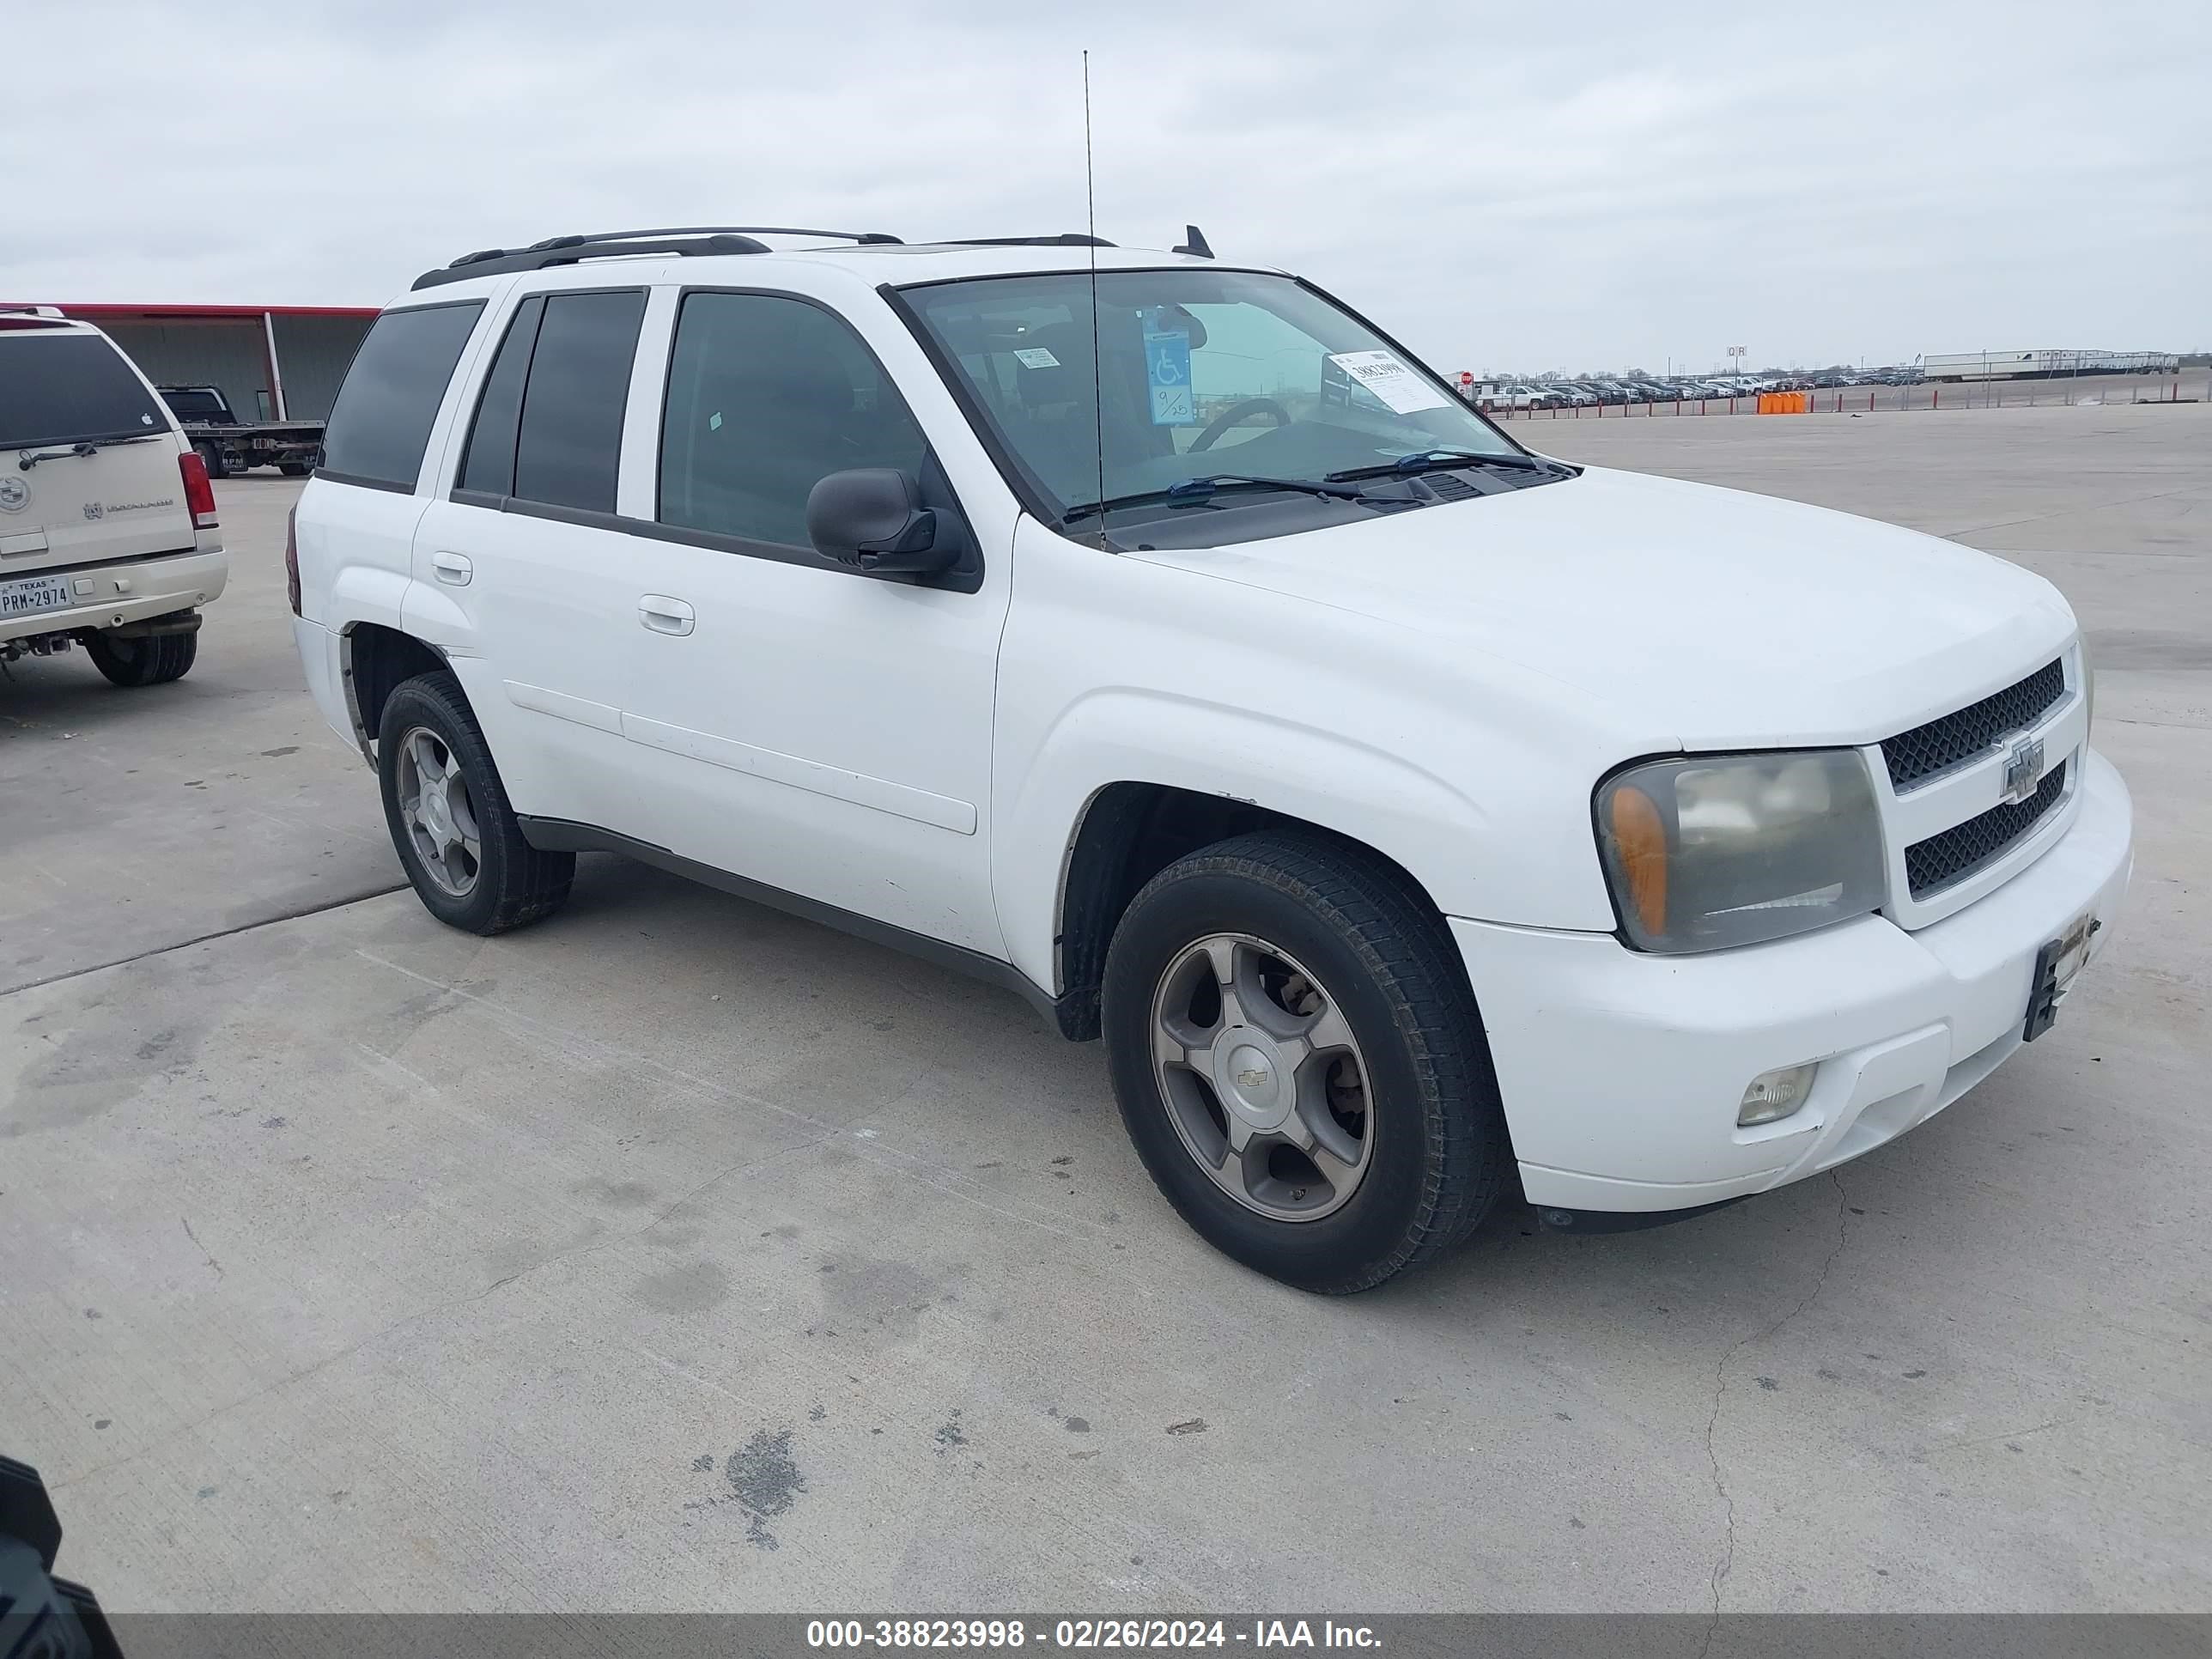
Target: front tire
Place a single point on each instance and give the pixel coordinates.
(212, 458)
(1298, 1059)
(153, 661)
(451, 823)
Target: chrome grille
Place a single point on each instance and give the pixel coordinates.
(1960, 735)
(1944, 859)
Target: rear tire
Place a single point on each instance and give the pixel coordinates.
(293, 469)
(144, 661)
(450, 819)
(1351, 981)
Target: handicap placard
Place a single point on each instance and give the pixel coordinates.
(1167, 368)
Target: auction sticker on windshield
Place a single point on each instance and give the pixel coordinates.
(1389, 380)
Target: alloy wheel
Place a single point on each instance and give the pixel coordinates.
(439, 815)
(1262, 1076)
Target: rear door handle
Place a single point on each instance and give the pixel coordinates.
(453, 567)
(665, 616)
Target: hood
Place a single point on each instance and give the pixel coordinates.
(1704, 616)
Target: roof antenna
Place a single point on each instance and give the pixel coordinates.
(1098, 378)
(1194, 242)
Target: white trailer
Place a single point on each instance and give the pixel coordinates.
(2041, 365)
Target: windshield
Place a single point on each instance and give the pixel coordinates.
(1205, 373)
(64, 388)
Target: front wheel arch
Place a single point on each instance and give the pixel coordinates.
(1128, 833)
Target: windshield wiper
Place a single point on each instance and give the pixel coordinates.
(1196, 492)
(83, 446)
(1430, 460)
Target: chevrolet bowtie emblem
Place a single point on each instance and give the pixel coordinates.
(1252, 1079)
(2023, 770)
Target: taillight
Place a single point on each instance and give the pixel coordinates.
(199, 494)
(292, 557)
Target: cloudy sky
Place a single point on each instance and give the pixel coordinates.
(1506, 188)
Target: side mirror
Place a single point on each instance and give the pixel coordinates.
(872, 519)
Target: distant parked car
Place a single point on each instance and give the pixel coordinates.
(107, 521)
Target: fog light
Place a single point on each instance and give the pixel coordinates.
(1776, 1094)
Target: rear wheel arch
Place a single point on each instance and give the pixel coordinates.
(1129, 831)
(377, 659)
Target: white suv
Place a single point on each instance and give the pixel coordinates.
(1415, 817)
(107, 522)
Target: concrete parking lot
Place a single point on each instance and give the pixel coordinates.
(675, 1254)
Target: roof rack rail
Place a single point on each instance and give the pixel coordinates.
(498, 261)
(1065, 239)
(865, 237)
(700, 239)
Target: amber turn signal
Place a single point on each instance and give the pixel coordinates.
(1640, 840)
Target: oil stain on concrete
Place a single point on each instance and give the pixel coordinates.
(887, 1297)
(690, 1287)
(765, 1482)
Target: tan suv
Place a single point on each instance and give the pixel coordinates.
(107, 521)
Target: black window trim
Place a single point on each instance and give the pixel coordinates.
(963, 580)
(357, 480)
(492, 362)
(491, 367)
(644, 291)
(1028, 488)
(515, 503)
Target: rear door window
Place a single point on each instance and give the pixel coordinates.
(381, 424)
(568, 440)
(64, 387)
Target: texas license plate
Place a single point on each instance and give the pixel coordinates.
(26, 594)
(2056, 965)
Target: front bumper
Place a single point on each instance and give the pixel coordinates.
(1621, 1073)
(109, 594)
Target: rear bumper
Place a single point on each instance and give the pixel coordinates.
(111, 594)
(322, 661)
(1621, 1073)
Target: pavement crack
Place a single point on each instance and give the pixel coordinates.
(203, 1248)
(204, 939)
(2068, 512)
(1726, 1562)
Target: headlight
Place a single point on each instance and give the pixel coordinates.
(1707, 851)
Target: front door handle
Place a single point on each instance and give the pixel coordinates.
(665, 616)
(452, 568)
